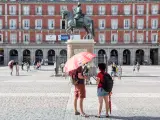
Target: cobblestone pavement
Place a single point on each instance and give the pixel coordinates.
(135, 97)
(33, 95)
(37, 95)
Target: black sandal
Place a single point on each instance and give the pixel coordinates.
(107, 116)
(98, 116)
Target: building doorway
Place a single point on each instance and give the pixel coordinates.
(38, 55)
(101, 56)
(114, 57)
(139, 56)
(26, 56)
(154, 56)
(63, 56)
(126, 57)
(13, 55)
(1, 56)
(51, 57)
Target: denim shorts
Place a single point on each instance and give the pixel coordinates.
(101, 92)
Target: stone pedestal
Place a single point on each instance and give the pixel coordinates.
(77, 46)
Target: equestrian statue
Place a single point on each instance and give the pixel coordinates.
(78, 20)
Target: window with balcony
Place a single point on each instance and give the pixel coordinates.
(114, 23)
(114, 9)
(140, 38)
(140, 23)
(1, 24)
(127, 9)
(51, 24)
(26, 38)
(154, 38)
(13, 38)
(38, 38)
(140, 9)
(102, 24)
(50, 10)
(38, 24)
(25, 10)
(114, 38)
(126, 23)
(154, 9)
(154, 23)
(102, 10)
(0, 9)
(101, 38)
(1, 38)
(126, 38)
(12, 24)
(63, 8)
(12, 10)
(38, 10)
(89, 10)
(26, 24)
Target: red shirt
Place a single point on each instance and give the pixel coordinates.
(100, 75)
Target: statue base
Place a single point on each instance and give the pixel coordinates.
(82, 45)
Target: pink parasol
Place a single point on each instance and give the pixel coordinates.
(77, 61)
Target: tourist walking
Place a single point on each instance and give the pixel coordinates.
(134, 68)
(101, 92)
(138, 67)
(80, 92)
(28, 66)
(10, 64)
(113, 72)
(62, 66)
(22, 64)
(119, 72)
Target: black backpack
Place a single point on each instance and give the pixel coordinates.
(114, 68)
(107, 83)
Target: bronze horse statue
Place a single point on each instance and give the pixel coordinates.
(83, 22)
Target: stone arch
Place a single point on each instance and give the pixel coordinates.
(51, 57)
(38, 55)
(139, 56)
(13, 55)
(114, 56)
(26, 55)
(1, 56)
(63, 56)
(63, 52)
(101, 56)
(126, 57)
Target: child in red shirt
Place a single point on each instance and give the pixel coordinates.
(101, 93)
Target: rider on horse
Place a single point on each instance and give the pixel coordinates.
(78, 13)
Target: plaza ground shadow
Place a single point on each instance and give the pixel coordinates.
(129, 118)
(135, 118)
(140, 76)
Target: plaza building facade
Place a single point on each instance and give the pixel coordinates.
(125, 30)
